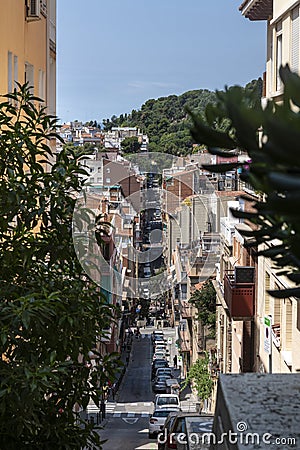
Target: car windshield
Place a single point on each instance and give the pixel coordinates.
(167, 401)
(161, 413)
(199, 426)
(164, 376)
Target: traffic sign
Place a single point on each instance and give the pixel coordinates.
(268, 334)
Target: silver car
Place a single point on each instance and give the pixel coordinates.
(157, 421)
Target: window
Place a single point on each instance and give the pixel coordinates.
(16, 70)
(295, 36)
(107, 180)
(29, 76)
(9, 73)
(42, 91)
(107, 170)
(278, 55)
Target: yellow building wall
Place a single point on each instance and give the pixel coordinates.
(27, 40)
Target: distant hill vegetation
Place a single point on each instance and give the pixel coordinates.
(166, 121)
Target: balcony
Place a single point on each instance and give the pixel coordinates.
(239, 295)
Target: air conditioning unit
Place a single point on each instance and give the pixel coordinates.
(244, 274)
(33, 9)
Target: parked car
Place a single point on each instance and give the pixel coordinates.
(157, 333)
(161, 347)
(158, 340)
(158, 337)
(186, 424)
(157, 421)
(158, 364)
(159, 384)
(163, 370)
(160, 387)
(160, 355)
(166, 401)
(165, 432)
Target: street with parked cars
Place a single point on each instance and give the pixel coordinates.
(152, 407)
(149, 404)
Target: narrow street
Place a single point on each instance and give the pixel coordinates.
(126, 424)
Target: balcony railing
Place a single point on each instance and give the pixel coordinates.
(239, 297)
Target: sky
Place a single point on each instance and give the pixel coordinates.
(113, 55)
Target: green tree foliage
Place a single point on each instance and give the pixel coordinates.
(166, 121)
(270, 136)
(205, 302)
(50, 313)
(131, 145)
(200, 377)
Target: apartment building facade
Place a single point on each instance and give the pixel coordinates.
(279, 317)
(28, 48)
(283, 44)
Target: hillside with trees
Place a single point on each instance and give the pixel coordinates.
(166, 120)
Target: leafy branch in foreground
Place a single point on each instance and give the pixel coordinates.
(50, 313)
(270, 136)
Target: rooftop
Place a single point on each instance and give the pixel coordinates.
(257, 9)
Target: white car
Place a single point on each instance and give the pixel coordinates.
(166, 401)
(159, 355)
(157, 421)
(161, 348)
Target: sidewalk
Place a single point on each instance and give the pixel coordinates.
(93, 413)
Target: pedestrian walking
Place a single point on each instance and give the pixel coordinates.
(175, 362)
